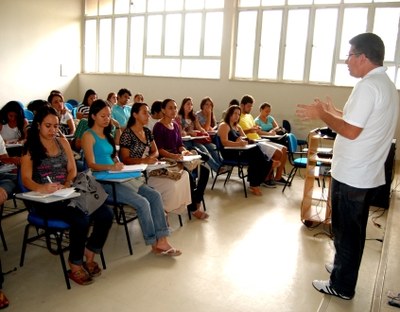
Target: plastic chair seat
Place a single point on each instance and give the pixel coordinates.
(54, 224)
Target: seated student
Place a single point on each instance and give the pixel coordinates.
(276, 152)
(155, 114)
(83, 108)
(189, 125)
(122, 111)
(169, 141)
(265, 121)
(231, 103)
(205, 115)
(100, 155)
(137, 146)
(6, 189)
(4, 157)
(13, 124)
(35, 105)
(231, 134)
(138, 98)
(67, 124)
(48, 156)
(112, 99)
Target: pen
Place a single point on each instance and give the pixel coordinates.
(48, 179)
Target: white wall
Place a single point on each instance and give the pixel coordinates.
(36, 38)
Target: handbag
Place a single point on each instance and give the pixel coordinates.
(204, 140)
(92, 193)
(174, 171)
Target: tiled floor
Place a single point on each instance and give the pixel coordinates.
(252, 254)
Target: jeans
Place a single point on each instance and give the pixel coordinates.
(149, 209)
(350, 209)
(197, 190)
(79, 227)
(208, 149)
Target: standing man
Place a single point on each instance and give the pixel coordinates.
(365, 129)
(122, 111)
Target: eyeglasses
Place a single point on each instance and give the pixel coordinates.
(351, 54)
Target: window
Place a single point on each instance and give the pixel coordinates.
(307, 40)
(176, 38)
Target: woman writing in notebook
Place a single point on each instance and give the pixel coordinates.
(46, 158)
(137, 146)
(100, 155)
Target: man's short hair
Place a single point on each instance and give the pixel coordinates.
(247, 99)
(371, 45)
(156, 107)
(122, 91)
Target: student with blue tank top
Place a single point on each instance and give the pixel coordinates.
(100, 155)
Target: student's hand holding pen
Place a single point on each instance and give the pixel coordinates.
(50, 187)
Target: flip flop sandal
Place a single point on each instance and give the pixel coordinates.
(80, 277)
(4, 303)
(200, 215)
(92, 268)
(172, 252)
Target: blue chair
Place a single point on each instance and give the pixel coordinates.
(69, 106)
(48, 229)
(73, 102)
(28, 114)
(74, 111)
(241, 163)
(297, 159)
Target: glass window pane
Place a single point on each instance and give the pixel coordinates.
(297, 2)
(213, 34)
(154, 34)
(155, 5)
(296, 40)
(173, 5)
(192, 36)
(326, 1)
(272, 2)
(194, 4)
(386, 26)
(357, 1)
(270, 42)
(105, 45)
(136, 45)
(342, 76)
(249, 3)
(139, 6)
(172, 41)
(201, 68)
(354, 23)
(105, 7)
(91, 7)
(121, 6)
(214, 4)
(162, 67)
(120, 44)
(245, 44)
(90, 46)
(323, 45)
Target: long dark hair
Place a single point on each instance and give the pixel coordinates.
(181, 111)
(88, 93)
(203, 103)
(135, 109)
(229, 113)
(33, 145)
(15, 107)
(95, 108)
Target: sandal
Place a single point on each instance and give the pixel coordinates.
(201, 215)
(172, 252)
(255, 190)
(92, 268)
(80, 277)
(4, 303)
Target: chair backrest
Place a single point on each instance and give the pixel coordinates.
(28, 114)
(292, 143)
(73, 102)
(21, 186)
(74, 111)
(69, 106)
(286, 125)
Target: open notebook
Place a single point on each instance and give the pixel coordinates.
(61, 193)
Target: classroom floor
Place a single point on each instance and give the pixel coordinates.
(252, 254)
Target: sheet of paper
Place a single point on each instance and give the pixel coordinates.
(131, 168)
